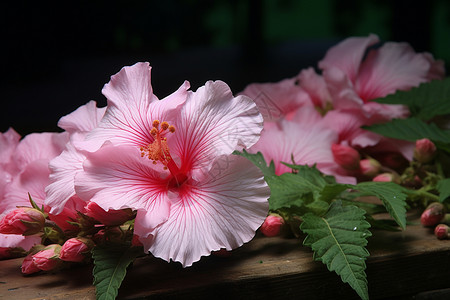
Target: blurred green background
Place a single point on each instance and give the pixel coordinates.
(59, 56)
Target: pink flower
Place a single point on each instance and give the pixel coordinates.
(28, 265)
(171, 160)
(109, 218)
(345, 156)
(75, 249)
(272, 225)
(425, 151)
(48, 258)
(23, 220)
(315, 86)
(277, 100)
(302, 144)
(356, 74)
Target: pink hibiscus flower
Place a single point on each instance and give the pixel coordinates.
(171, 160)
(356, 74)
(277, 100)
(302, 143)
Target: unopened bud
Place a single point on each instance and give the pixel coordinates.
(425, 151)
(76, 249)
(369, 167)
(433, 214)
(345, 156)
(385, 177)
(48, 258)
(28, 266)
(441, 231)
(272, 225)
(23, 220)
(111, 217)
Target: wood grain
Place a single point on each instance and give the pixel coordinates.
(401, 265)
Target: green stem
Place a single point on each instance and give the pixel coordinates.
(424, 194)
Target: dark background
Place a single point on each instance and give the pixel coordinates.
(59, 56)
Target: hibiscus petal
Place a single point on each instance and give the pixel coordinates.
(277, 100)
(213, 123)
(348, 55)
(394, 66)
(13, 241)
(62, 177)
(305, 143)
(132, 108)
(222, 211)
(117, 177)
(83, 119)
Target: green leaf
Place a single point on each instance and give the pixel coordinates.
(425, 101)
(392, 195)
(338, 240)
(331, 191)
(259, 161)
(290, 190)
(443, 187)
(312, 174)
(411, 129)
(110, 268)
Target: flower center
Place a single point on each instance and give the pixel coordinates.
(158, 151)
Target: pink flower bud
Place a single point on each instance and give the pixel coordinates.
(23, 220)
(345, 156)
(385, 177)
(109, 218)
(76, 249)
(369, 167)
(433, 214)
(272, 225)
(441, 231)
(28, 266)
(48, 258)
(425, 151)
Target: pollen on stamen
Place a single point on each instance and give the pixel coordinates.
(155, 123)
(164, 125)
(171, 129)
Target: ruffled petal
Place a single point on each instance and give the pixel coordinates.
(394, 66)
(304, 143)
(348, 55)
(62, 178)
(83, 119)
(129, 117)
(213, 123)
(117, 177)
(277, 100)
(222, 211)
(315, 86)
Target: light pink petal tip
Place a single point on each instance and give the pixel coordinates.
(83, 119)
(348, 55)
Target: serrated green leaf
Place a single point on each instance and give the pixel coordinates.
(425, 101)
(443, 187)
(110, 268)
(412, 129)
(259, 161)
(338, 240)
(331, 191)
(312, 174)
(289, 190)
(392, 195)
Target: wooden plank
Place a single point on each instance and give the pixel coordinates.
(401, 264)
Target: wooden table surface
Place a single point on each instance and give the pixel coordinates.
(402, 265)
